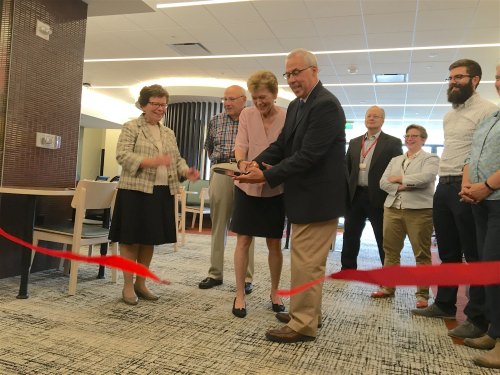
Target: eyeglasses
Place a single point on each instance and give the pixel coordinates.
(412, 136)
(231, 99)
(157, 105)
(294, 73)
(458, 77)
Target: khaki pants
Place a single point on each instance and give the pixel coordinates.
(309, 249)
(417, 224)
(221, 207)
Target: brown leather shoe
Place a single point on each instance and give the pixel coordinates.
(284, 317)
(287, 335)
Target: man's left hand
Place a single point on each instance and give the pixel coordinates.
(253, 176)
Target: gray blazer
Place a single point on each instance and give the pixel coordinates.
(419, 177)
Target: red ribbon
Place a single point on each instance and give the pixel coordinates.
(107, 260)
(444, 274)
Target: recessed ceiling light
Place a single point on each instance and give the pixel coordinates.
(390, 78)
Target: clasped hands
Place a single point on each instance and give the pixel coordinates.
(473, 193)
(251, 173)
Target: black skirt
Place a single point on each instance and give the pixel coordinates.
(258, 216)
(141, 218)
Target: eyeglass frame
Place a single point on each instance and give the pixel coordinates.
(157, 105)
(295, 72)
(412, 136)
(458, 77)
(231, 99)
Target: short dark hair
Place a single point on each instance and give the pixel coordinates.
(420, 128)
(473, 68)
(151, 91)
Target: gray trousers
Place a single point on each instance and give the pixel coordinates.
(221, 207)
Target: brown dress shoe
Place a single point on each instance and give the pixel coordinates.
(490, 359)
(287, 335)
(284, 317)
(484, 342)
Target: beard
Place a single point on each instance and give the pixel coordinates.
(460, 96)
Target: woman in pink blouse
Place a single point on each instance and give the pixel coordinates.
(258, 209)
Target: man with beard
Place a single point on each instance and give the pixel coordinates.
(453, 221)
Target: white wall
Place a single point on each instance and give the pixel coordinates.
(111, 167)
(91, 145)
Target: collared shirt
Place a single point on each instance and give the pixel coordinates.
(307, 97)
(221, 136)
(485, 153)
(459, 125)
(369, 141)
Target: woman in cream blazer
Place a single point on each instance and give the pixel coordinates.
(409, 181)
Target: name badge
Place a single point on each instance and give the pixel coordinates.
(362, 166)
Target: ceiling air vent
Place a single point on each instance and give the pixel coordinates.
(390, 78)
(190, 49)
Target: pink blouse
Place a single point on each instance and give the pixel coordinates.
(253, 138)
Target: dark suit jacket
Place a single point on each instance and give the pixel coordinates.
(387, 147)
(308, 157)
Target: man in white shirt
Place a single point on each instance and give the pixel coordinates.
(453, 221)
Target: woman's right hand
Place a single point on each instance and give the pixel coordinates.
(156, 161)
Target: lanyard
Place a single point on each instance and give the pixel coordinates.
(363, 153)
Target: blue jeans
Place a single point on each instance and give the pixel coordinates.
(456, 238)
(487, 218)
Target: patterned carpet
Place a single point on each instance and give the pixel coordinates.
(192, 331)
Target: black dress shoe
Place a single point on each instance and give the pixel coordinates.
(284, 317)
(287, 335)
(240, 313)
(277, 307)
(209, 282)
(248, 287)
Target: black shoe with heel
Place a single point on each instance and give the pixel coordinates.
(277, 307)
(240, 313)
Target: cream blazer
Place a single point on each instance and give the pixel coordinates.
(419, 177)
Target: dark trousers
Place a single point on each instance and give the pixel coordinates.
(354, 223)
(487, 219)
(456, 238)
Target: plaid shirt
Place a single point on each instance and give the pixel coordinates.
(221, 137)
(136, 142)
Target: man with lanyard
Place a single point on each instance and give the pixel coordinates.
(453, 222)
(367, 158)
(219, 144)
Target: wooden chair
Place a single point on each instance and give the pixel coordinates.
(180, 214)
(88, 195)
